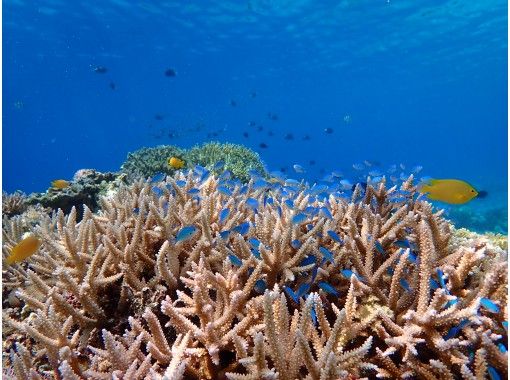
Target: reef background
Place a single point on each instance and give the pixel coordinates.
(411, 78)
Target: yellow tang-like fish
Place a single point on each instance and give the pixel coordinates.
(24, 249)
(60, 184)
(175, 163)
(453, 191)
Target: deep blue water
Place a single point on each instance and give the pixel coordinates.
(412, 82)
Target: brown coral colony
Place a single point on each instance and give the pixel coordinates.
(203, 277)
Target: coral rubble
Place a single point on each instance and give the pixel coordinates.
(177, 279)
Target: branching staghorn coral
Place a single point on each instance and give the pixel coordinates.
(203, 277)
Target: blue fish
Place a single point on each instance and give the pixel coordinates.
(390, 271)
(256, 253)
(327, 254)
(279, 209)
(254, 242)
(440, 276)
(313, 314)
(235, 260)
(404, 284)
(451, 303)
(402, 243)
(225, 176)
(502, 348)
(185, 233)
(252, 203)
(315, 270)
(326, 212)
(493, 373)
(269, 201)
(303, 289)
(289, 203)
(224, 190)
(136, 210)
(259, 184)
(242, 228)
(243, 190)
(379, 247)
(193, 191)
(310, 259)
(295, 244)
(180, 183)
(505, 325)
(158, 177)
(260, 286)
(489, 305)
(224, 214)
(433, 284)
(311, 211)
(291, 294)
(254, 173)
(156, 190)
(298, 218)
(347, 273)
(328, 288)
(333, 235)
(219, 165)
(453, 331)
(225, 234)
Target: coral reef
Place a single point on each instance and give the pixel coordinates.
(177, 279)
(237, 159)
(147, 162)
(14, 204)
(85, 189)
(215, 156)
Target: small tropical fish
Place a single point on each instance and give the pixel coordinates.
(326, 212)
(235, 260)
(303, 289)
(60, 184)
(180, 183)
(404, 284)
(252, 203)
(489, 305)
(254, 242)
(333, 235)
(156, 190)
(298, 168)
(242, 228)
(100, 70)
(327, 254)
(452, 332)
(379, 247)
(24, 249)
(224, 214)
(433, 284)
(170, 73)
(328, 288)
(185, 233)
(328, 130)
(225, 234)
(502, 348)
(158, 177)
(175, 163)
(299, 218)
(291, 294)
(493, 373)
(307, 261)
(224, 190)
(452, 191)
(260, 286)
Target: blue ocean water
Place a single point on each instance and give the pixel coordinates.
(411, 82)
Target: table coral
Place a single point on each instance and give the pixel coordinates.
(289, 284)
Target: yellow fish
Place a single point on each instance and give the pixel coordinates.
(60, 184)
(24, 249)
(453, 191)
(175, 163)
